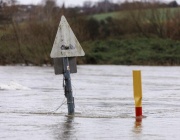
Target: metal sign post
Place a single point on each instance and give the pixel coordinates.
(65, 49)
(67, 86)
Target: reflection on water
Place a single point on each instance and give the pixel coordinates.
(66, 129)
(104, 104)
(138, 126)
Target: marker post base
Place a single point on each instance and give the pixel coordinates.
(138, 111)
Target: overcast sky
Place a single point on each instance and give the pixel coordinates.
(74, 2)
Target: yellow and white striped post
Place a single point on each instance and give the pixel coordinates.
(137, 92)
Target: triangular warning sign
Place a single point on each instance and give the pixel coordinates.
(66, 43)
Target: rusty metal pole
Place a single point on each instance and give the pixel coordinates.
(67, 86)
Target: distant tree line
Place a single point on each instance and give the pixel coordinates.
(27, 32)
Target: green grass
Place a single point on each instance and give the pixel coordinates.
(117, 15)
(123, 14)
(138, 51)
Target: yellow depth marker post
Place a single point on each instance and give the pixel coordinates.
(137, 92)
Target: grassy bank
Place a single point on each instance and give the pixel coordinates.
(123, 51)
(138, 51)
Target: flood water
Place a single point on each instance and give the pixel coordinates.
(30, 98)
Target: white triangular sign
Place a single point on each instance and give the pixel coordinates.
(66, 43)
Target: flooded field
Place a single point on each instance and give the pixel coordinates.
(30, 98)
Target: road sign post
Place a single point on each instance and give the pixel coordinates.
(68, 87)
(64, 52)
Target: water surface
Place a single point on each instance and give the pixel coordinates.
(29, 97)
